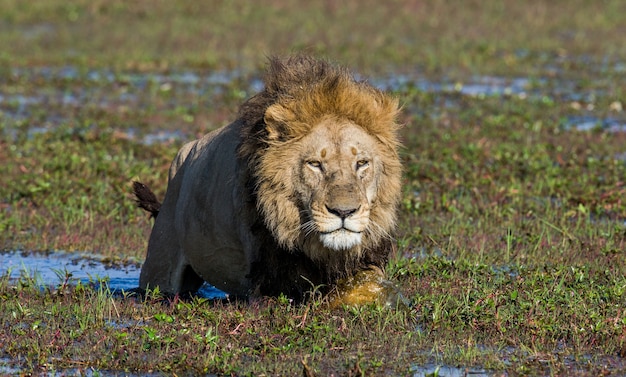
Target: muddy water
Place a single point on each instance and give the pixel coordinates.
(52, 269)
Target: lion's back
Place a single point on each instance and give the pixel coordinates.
(205, 203)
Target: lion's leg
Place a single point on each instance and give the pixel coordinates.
(168, 269)
(160, 268)
(366, 287)
(166, 266)
(189, 280)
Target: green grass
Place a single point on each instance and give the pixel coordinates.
(511, 237)
(392, 36)
(82, 328)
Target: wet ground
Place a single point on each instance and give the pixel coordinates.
(56, 268)
(58, 89)
(448, 371)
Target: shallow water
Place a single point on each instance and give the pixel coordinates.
(53, 268)
(25, 91)
(447, 371)
(590, 123)
(418, 371)
(7, 368)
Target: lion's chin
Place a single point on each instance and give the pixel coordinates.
(340, 239)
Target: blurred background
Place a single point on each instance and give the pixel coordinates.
(399, 35)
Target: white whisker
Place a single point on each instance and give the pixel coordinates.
(377, 231)
(308, 227)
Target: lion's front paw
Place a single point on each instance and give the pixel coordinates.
(367, 287)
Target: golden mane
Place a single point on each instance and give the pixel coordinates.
(301, 90)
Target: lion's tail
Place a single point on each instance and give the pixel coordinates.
(146, 199)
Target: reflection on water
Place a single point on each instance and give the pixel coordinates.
(590, 123)
(432, 370)
(8, 368)
(50, 269)
(477, 86)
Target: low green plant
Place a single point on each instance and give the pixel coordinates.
(511, 232)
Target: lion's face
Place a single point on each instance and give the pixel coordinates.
(330, 191)
(322, 149)
(336, 183)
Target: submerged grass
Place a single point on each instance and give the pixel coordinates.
(512, 237)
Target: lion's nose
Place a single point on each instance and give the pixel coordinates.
(343, 213)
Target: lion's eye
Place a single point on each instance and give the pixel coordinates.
(315, 164)
(362, 163)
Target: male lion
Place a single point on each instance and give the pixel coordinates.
(299, 192)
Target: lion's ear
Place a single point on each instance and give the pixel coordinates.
(276, 119)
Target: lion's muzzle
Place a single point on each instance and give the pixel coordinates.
(342, 227)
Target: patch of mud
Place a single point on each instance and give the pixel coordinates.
(54, 268)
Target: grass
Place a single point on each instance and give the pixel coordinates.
(81, 328)
(397, 35)
(511, 235)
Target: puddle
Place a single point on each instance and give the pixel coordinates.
(8, 368)
(476, 86)
(51, 269)
(62, 88)
(432, 370)
(591, 123)
(62, 91)
(151, 138)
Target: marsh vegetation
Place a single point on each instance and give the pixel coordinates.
(512, 231)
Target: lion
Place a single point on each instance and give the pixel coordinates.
(300, 193)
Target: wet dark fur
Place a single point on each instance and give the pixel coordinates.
(146, 199)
